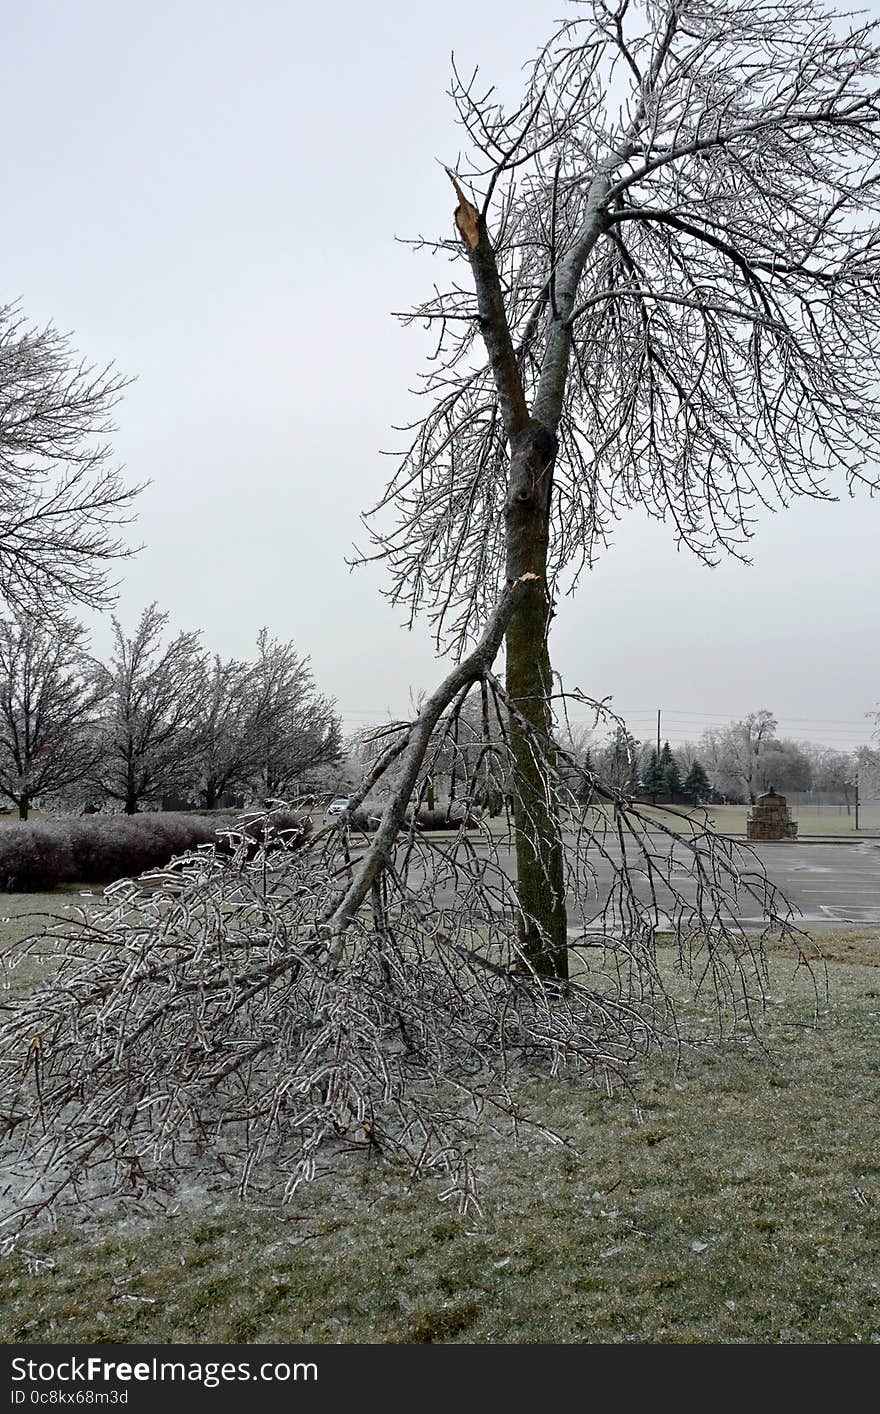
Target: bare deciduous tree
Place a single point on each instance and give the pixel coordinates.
(61, 501)
(738, 754)
(263, 725)
(835, 771)
(671, 246)
(755, 733)
(718, 749)
(868, 772)
(669, 299)
(153, 703)
(750, 740)
(227, 746)
(48, 708)
(785, 765)
(295, 728)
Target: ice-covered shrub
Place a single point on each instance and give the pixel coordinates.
(452, 818)
(97, 849)
(35, 856)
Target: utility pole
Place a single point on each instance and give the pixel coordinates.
(857, 800)
(658, 733)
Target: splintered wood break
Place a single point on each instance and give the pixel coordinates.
(467, 218)
(529, 574)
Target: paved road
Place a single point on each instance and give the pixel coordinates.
(827, 885)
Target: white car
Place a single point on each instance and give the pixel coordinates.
(336, 806)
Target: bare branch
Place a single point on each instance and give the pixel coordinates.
(60, 501)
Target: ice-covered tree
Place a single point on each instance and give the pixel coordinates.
(49, 706)
(663, 293)
(62, 500)
(153, 700)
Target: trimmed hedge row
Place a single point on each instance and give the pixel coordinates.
(367, 821)
(452, 818)
(98, 849)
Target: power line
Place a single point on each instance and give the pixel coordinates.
(844, 733)
(651, 712)
(683, 733)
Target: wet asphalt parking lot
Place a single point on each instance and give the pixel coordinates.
(827, 885)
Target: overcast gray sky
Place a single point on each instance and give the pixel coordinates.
(208, 193)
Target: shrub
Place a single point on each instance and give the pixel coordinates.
(34, 857)
(116, 847)
(449, 819)
(97, 849)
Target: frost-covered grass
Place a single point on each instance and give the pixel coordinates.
(731, 819)
(23, 915)
(727, 820)
(859, 945)
(740, 1205)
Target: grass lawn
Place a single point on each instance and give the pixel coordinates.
(740, 1205)
(731, 820)
(23, 915)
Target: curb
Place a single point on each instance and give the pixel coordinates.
(812, 839)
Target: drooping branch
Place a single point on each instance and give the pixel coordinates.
(200, 1027)
(411, 754)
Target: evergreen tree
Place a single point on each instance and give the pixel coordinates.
(585, 788)
(654, 778)
(672, 777)
(697, 787)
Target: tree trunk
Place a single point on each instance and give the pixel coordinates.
(533, 447)
(23, 807)
(131, 791)
(537, 830)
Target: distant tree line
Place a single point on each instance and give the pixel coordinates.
(732, 764)
(161, 719)
(639, 770)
